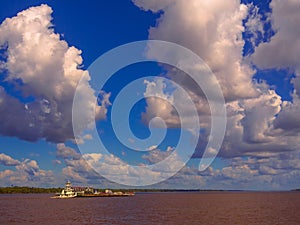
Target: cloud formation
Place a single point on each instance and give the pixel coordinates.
(41, 71)
(26, 172)
(261, 127)
(93, 167)
(45, 71)
(6, 160)
(213, 30)
(283, 52)
(283, 49)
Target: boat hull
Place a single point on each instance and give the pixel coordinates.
(63, 197)
(95, 195)
(104, 195)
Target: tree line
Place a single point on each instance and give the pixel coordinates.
(17, 189)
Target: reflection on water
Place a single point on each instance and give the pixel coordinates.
(155, 208)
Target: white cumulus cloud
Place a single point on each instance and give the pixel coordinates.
(44, 68)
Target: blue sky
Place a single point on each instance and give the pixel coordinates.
(251, 47)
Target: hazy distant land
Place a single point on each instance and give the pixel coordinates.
(24, 190)
(17, 189)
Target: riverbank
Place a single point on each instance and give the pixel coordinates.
(31, 190)
(27, 190)
(17, 189)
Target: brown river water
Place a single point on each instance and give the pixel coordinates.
(155, 208)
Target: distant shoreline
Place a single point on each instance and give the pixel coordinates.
(27, 190)
(36, 190)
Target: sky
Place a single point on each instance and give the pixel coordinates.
(214, 103)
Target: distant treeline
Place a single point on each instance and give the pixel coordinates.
(16, 189)
(161, 190)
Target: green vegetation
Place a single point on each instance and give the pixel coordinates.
(27, 190)
(16, 189)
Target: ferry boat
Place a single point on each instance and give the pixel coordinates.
(67, 192)
(70, 192)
